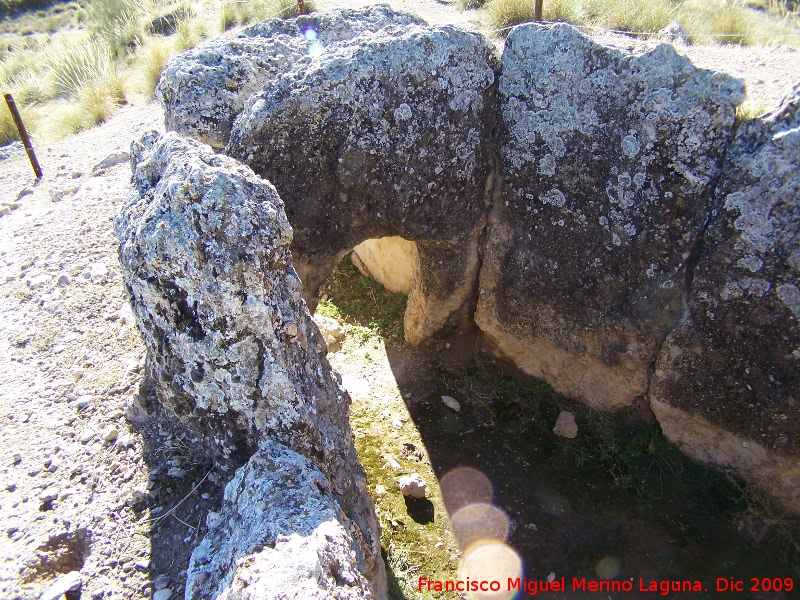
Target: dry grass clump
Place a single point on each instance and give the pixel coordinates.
(723, 21)
(118, 22)
(153, 57)
(8, 132)
(72, 64)
(234, 12)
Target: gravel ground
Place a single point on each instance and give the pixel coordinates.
(94, 476)
(91, 466)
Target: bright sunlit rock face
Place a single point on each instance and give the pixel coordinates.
(205, 89)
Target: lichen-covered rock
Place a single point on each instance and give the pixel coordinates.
(204, 90)
(608, 160)
(204, 249)
(732, 369)
(389, 137)
(279, 534)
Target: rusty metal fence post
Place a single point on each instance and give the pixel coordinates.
(23, 135)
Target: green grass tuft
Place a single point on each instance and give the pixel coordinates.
(362, 303)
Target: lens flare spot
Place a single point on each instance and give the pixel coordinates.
(608, 568)
(310, 34)
(476, 522)
(463, 486)
(315, 49)
(494, 563)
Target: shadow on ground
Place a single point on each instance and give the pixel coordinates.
(182, 488)
(618, 501)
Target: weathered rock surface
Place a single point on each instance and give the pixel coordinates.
(608, 162)
(727, 382)
(391, 261)
(204, 90)
(373, 124)
(204, 250)
(413, 486)
(387, 138)
(279, 534)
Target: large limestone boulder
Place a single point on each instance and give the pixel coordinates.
(389, 137)
(727, 382)
(608, 162)
(204, 249)
(204, 90)
(278, 534)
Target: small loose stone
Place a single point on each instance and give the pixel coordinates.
(451, 403)
(413, 486)
(565, 425)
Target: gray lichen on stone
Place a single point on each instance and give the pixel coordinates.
(204, 249)
(608, 159)
(733, 362)
(399, 126)
(204, 89)
(278, 534)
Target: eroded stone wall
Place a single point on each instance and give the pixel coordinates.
(613, 230)
(727, 381)
(608, 160)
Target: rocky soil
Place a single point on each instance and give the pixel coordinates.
(94, 476)
(92, 468)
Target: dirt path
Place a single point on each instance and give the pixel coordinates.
(93, 476)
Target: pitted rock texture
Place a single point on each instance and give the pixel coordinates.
(279, 534)
(608, 161)
(735, 361)
(387, 138)
(584, 235)
(204, 249)
(204, 90)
